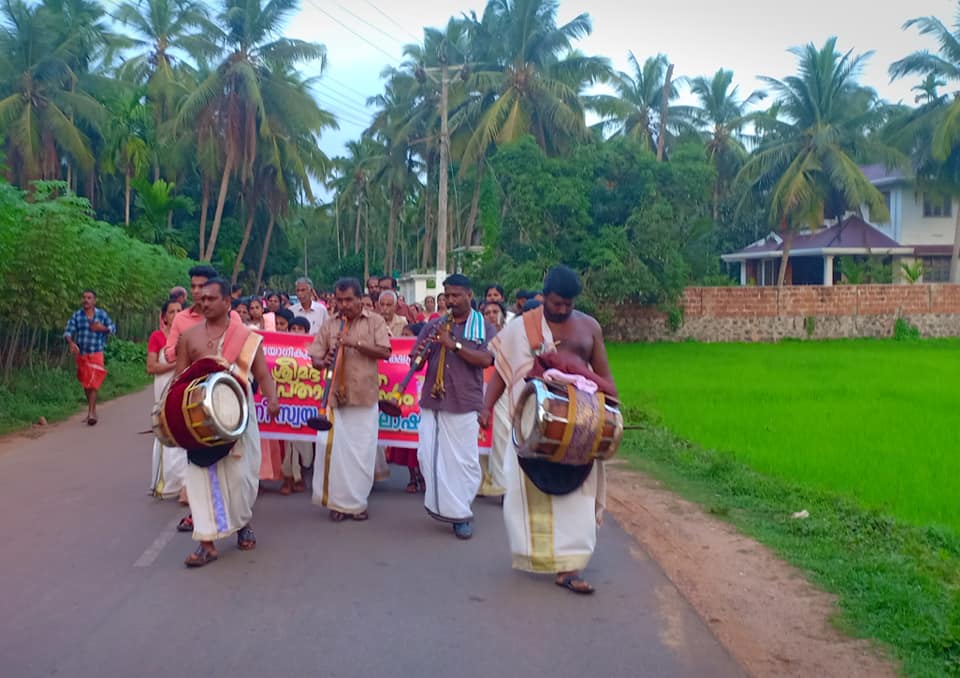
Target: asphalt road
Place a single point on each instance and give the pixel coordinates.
(92, 584)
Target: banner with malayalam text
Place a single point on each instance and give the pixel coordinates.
(300, 389)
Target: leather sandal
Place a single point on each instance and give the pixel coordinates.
(246, 539)
(200, 557)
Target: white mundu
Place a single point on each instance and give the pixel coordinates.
(222, 496)
(168, 464)
(345, 461)
(452, 478)
(547, 533)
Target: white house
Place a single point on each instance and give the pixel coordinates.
(921, 226)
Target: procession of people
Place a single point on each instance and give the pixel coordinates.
(551, 510)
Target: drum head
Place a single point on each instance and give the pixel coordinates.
(528, 422)
(226, 406)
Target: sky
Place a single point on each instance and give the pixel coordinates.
(751, 38)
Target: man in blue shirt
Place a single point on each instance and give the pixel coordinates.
(86, 334)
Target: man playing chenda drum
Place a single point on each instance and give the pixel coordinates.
(222, 494)
(550, 532)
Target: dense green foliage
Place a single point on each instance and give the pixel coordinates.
(192, 125)
(637, 228)
(51, 248)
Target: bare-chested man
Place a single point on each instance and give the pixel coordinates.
(572, 515)
(222, 493)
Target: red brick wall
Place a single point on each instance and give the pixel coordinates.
(816, 300)
(770, 314)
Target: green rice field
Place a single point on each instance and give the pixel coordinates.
(874, 420)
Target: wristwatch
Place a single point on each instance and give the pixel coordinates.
(457, 347)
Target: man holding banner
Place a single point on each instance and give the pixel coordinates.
(452, 396)
(346, 454)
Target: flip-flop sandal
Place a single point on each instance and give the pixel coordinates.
(185, 524)
(363, 515)
(299, 486)
(200, 557)
(412, 487)
(246, 539)
(91, 421)
(570, 581)
(338, 517)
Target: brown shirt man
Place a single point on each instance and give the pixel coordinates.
(357, 370)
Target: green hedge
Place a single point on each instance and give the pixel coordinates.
(51, 249)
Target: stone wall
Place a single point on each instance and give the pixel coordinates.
(816, 312)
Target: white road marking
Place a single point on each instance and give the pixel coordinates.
(166, 536)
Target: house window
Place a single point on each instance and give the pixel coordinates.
(937, 206)
(886, 201)
(936, 269)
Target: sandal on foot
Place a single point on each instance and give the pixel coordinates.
(286, 488)
(363, 515)
(338, 517)
(573, 582)
(200, 557)
(412, 487)
(246, 539)
(185, 524)
(299, 486)
(91, 421)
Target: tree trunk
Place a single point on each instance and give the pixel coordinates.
(785, 259)
(366, 243)
(248, 229)
(389, 260)
(427, 228)
(356, 229)
(221, 201)
(715, 210)
(126, 198)
(664, 113)
(955, 254)
(204, 206)
(471, 237)
(266, 248)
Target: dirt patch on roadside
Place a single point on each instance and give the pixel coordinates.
(771, 619)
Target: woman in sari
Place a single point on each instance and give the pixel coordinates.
(168, 463)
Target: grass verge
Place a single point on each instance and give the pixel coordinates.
(896, 583)
(54, 393)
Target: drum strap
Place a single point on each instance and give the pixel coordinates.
(571, 425)
(247, 353)
(533, 326)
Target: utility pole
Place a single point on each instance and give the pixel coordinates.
(444, 161)
(445, 73)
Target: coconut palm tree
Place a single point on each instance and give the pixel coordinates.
(127, 133)
(535, 80)
(290, 156)
(721, 115)
(161, 28)
(235, 92)
(807, 163)
(636, 109)
(392, 126)
(41, 102)
(938, 119)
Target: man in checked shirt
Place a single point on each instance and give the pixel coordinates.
(86, 335)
